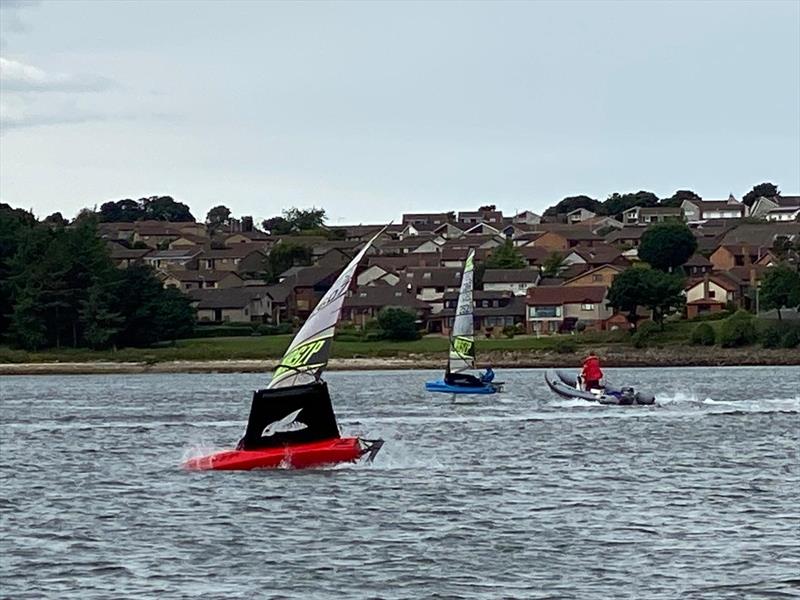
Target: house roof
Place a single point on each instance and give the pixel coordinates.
(482, 295)
(313, 275)
(433, 276)
(188, 275)
(626, 233)
(584, 273)
(177, 254)
(235, 251)
(428, 217)
(720, 278)
(598, 254)
(120, 252)
(514, 307)
(558, 295)
(510, 275)
(378, 296)
(238, 297)
(760, 234)
(697, 260)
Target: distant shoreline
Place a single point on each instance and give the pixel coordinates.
(651, 357)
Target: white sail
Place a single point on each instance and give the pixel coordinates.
(310, 349)
(462, 335)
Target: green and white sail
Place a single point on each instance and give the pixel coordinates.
(462, 335)
(307, 355)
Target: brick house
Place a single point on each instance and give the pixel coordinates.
(559, 308)
(516, 281)
(366, 302)
(493, 310)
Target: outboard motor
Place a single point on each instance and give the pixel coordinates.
(644, 398)
(627, 396)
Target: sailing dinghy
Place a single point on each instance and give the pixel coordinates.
(461, 357)
(292, 423)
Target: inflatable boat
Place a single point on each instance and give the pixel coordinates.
(565, 384)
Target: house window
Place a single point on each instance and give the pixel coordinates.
(597, 277)
(545, 312)
(587, 306)
(426, 275)
(712, 294)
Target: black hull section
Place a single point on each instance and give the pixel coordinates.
(273, 422)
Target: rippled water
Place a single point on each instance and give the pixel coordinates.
(520, 495)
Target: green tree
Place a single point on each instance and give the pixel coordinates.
(15, 225)
(165, 208)
(628, 292)
(100, 323)
(121, 211)
(667, 245)
(398, 324)
(218, 217)
(554, 264)
(780, 288)
(284, 256)
(175, 317)
(571, 203)
(703, 335)
(663, 294)
(616, 203)
(277, 226)
(303, 220)
(768, 190)
(678, 198)
(505, 256)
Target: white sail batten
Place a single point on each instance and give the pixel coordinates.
(462, 335)
(307, 355)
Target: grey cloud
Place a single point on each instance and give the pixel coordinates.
(16, 76)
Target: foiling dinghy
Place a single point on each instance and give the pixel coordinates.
(566, 384)
(461, 355)
(292, 423)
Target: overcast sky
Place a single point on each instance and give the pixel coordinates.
(372, 109)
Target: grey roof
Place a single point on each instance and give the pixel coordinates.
(186, 253)
(239, 297)
(510, 275)
(384, 296)
(189, 275)
(760, 234)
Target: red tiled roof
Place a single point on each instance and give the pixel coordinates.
(558, 295)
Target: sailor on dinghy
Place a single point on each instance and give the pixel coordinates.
(591, 374)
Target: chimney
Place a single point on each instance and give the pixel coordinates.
(746, 252)
(706, 280)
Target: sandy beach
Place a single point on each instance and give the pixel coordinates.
(674, 357)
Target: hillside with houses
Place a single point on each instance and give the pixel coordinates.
(539, 275)
(569, 263)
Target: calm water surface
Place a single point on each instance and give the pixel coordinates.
(520, 495)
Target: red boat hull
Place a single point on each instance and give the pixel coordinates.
(297, 456)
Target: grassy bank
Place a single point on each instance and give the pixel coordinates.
(272, 347)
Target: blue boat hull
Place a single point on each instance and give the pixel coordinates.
(440, 386)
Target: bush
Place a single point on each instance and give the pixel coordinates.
(713, 316)
(509, 331)
(644, 334)
(771, 337)
(580, 326)
(398, 324)
(565, 345)
(738, 330)
(703, 335)
(791, 339)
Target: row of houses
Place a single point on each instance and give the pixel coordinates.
(417, 264)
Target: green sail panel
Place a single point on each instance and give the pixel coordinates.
(307, 355)
(462, 336)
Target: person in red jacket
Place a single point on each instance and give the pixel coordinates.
(591, 373)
